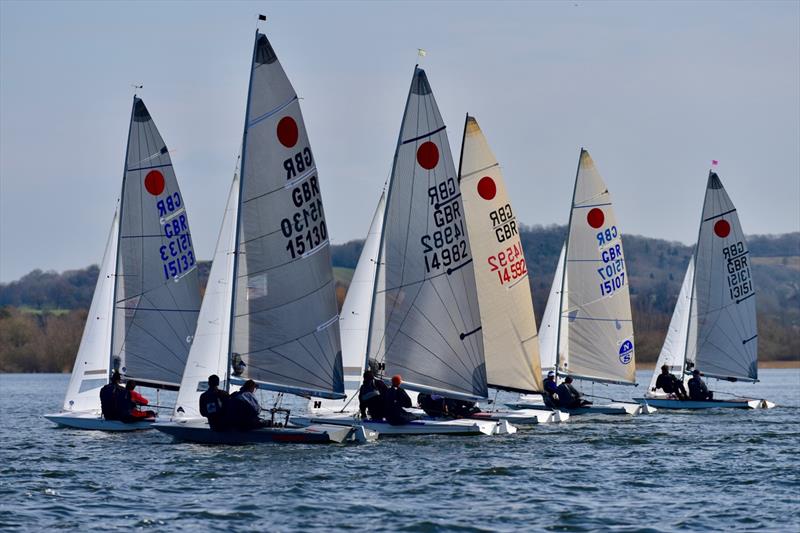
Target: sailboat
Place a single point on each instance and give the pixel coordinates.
(414, 311)
(270, 312)
(593, 336)
(510, 339)
(145, 304)
(713, 327)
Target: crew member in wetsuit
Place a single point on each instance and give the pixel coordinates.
(569, 396)
(433, 405)
(212, 404)
(370, 397)
(670, 384)
(136, 400)
(243, 409)
(697, 388)
(550, 390)
(461, 408)
(395, 400)
(114, 399)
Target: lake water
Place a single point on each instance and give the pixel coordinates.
(713, 470)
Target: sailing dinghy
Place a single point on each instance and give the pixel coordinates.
(593, 335)
(713, 327)
(423, 319)
(269, 313)
(145, 304)
(510, 339)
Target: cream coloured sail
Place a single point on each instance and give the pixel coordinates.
(723, 339)
(425, 322)
(596, 307)
(549, 331)
(91, 369)
(510, 341)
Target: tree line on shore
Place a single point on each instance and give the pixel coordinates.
(42, 314)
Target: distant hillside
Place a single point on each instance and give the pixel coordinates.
(30, 330)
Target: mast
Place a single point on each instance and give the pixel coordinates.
(564, 270)
(694, 281)
(119, 234)
(234, 276)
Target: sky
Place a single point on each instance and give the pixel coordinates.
(654, 91)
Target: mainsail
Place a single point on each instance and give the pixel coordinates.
(510, 341)
(549, 331)
(285, 326)
(157, 295)
(425, 322)
(722, 340)
(90, 371)
(596, 307)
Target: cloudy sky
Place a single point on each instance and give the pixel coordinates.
(654, 91)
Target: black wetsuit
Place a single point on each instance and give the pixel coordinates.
(115, 403)
(212, 406)
(395, 400)
(242, 410)
(698, 390)
(433, 406)
(370, 399)
(671, 385)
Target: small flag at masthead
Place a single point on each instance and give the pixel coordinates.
(262, 17)
(421, 52)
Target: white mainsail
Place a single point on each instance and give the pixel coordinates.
(425, 321)
(510, 341)
(91, 369)
(548, 332)
(723, 339)
(285, 325)
(674, 348)
(596, 308)
(157, 293)
(209, 352)
(354, 319)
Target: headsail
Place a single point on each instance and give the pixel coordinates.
(674, 348)
(157, 295)
(724, 312)
(510, 341)
(209, 352)
(354, 319)
(548, 332)
(425, 322)
(285, 327)
(598, 311)
(90, 371)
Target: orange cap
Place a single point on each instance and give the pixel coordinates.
(396, 380)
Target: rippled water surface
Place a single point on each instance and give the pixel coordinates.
(722, 470)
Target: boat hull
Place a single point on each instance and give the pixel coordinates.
(735, 403)
(93, 421)
(523, 417)
(200, 432)
(460, 426)
(614, 408)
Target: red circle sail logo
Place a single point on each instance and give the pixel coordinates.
(722, 228)
(487, 188)
(288, 132)
(154, 182)
(595, 218)
(428, 155)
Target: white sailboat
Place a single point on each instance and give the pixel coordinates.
(510, 338)
(270, 311)
(145, 304)
(593, 335)
(416, 281)
(713, 327)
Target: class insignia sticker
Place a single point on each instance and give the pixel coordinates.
(626, 352)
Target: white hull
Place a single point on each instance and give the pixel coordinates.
(735, 403)
(93, 420)
(198, 431)
(427, 426)
(524, 417)
(615, 408)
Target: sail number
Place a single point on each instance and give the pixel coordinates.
(177, 252)
(446, 245)
(740, 283)
(509, 264)
(612, 271)
(503, 222)
(305, 229)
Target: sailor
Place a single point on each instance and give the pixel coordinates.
(569, 396)
(433, 405)
(114, 399)
(370, 397)
(212, 403)
(243, 409)
(135, 400)
(395, 400)
(461, 408)
(551, 390)
(670, 384)
(697, 388)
